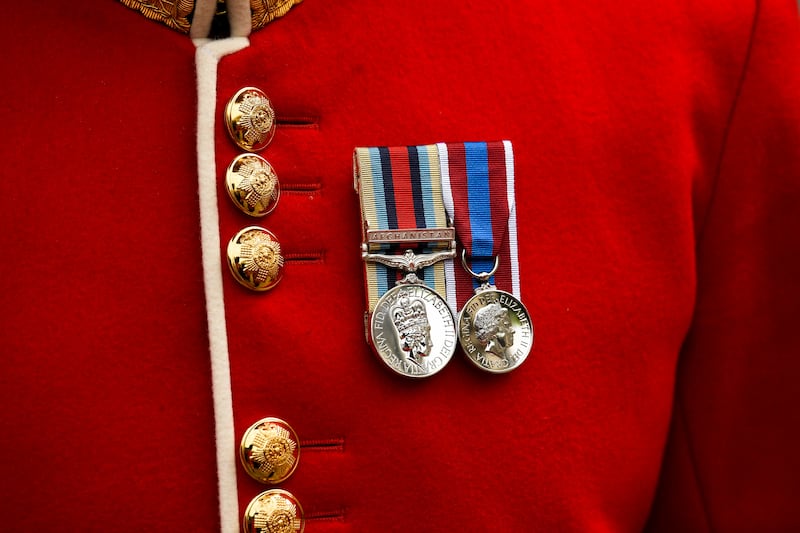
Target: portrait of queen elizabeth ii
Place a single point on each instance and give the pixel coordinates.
(493, 329)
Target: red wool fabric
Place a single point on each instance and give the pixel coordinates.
(658, 180)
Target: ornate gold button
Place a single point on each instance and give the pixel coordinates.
(269, 451)
(274, 511)
(254, 257)
(252, 185)
(250, 119)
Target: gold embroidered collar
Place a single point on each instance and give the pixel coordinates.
(177, 14)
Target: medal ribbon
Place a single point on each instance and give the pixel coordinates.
(400, 189)
(478, 185)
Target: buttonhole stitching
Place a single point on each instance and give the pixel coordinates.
(311, 257)
(326, 516)
(301, 122)
(323, 445)
(305, 189)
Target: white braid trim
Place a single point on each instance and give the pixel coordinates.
(207, 57)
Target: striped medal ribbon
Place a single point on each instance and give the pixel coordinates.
(406, 243)
(494, 327)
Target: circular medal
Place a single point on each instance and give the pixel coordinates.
(412, 330)
(495, 331)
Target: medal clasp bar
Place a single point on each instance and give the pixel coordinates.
(411, 328)
(408, 261)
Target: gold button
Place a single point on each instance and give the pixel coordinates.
(250, 119)
(252, 185)
(269, 451)
(274, 511)
(255, 260)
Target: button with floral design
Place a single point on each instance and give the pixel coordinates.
(252, 184)
(269, 451)
(274, 511)
(255, 260)
(250, 119)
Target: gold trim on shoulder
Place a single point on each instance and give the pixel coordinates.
(262, 12)
(175, 14)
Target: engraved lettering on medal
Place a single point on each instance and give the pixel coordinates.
(380, 340)
(495, 330)
(409, 235)
(413, 330)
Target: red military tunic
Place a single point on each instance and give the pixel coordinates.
(657, 177)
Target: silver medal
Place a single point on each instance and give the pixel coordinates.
(494, 327)
(413, 331)
(412, 328)
(495, 330)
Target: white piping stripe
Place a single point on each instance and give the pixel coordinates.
(447, 198)
(207, 58)
(512, 220)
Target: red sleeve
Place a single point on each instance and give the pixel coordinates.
(732, 460)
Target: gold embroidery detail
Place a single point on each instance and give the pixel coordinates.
(175, 13)
(265, 11)
(172, 13)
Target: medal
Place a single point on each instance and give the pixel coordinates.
(406, 241)
(412, 328)
(494, 327)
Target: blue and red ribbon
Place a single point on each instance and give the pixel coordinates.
(478, 183)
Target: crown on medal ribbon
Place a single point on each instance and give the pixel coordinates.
(409, 316)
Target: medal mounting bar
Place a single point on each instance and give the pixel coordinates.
(394, 236)
(408, 261)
